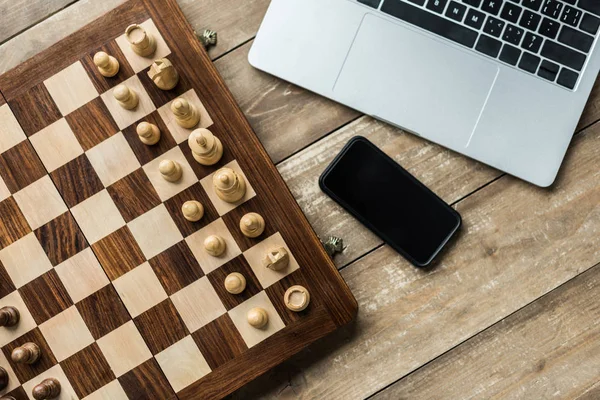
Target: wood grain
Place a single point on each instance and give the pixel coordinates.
(61, 238)
(87, 371)
(45, 297)
(161, 326)
(13, 225)
(76, 181)
(118, 253)
(18, 15)
(146, 381)
(92, 124)
(176, 268)
(26, 372)
(20, 166)
(35, 109)
(103, 311)
(219, 341)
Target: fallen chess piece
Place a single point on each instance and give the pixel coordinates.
(277, 259)
(126, 97)
(215, 245)
(229, 185)
(148, 133)
(252, 225)
(107, 65)
(142, 43)
(296, 298)
(3, 379)
(208, 38)
(235, 283)
(192, 210)
(47, 389)
(186, 114)
(170, 170)
(207, 149)
(28, 353)
(163, 74)
(333, 245)
(9, 316)
(258, 317)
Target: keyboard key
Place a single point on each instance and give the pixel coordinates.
(510, 54)
(370, 3)
(529, 63)
(430, 22)
(513, 35)
(571, 16)
(567, 78)
(493, 26)
(474, 3)
(590, 24)
(532, 42)
(437, 5)
(549, 28)
(592, 6)
(533, 4)
(456, 11)
(577, 39)
(530, 20)
(488, 46)
(552, 8)
(418, 2)
(511, 12)
(475, 19)
(563, 55)
(548, 70)
(492, 6)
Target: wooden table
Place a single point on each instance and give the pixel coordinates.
(511, 310)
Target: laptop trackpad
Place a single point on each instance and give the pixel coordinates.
(401, 75)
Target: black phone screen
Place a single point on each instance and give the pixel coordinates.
(391, 202)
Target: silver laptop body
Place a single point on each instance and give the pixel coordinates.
(426, 66)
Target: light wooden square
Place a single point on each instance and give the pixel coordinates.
(56, 372)
(40, 202)
(124, 349)
(140, 289)
(56, 145)
(82, 275)
(164, 188)
(222, 206)
(251, 335)
(71, 88)
(98, 216)
(255, 256)
(13, 381)
(179, 133)
(155, 231)
(113, 159)
(207, 262)
(139, 63)
(11, 133)
(4, 192)
(26, 322)
(198, 304)
(66, 333)
(123, 117)
(25, 260)
(183, 363)
(112, 391)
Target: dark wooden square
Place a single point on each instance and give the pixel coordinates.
(219, 341)
(103, 311)
(20, 166)
(134, 195)
(277, 291)
(194, 192)
(87, 371)
(61, 238)
(118, 253)
(35, 109)
(161, 326)
(217, 279)
(233, 217)
(101, 82)
(26, 372)
(146, 381)
(18, 394)
(162, 97)
(205, 170)
(143, 152)
(92, 123)
(46, 297)
(7, 286)
(176, 268)
(77, 181)
(13, 225)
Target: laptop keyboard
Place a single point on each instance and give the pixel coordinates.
(547, 38)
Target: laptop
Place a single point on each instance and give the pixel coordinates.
(501, 81)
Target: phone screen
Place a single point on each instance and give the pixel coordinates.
(391, 202)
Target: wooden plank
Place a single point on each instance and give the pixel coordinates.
(518, 243)
(551, 348)
(18, 15)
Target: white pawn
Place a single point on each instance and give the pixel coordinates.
(258, 317)
(186, 114)
(235, 283)
(192, 210)
(142, 43)
(170, 170)
(148, 133)
(252, 225)
(107, 65)
(207, 149)
(229, 186)
(215, 245)
(126, 97)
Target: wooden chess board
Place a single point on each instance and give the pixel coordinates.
(111, 281)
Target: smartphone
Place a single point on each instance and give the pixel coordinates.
(383, 196)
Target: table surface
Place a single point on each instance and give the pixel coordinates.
(510, 310)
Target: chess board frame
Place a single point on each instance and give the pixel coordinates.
(25, 95)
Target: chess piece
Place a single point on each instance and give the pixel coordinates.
(252, 225)
(148, 133)
(170, 170)
(296, 298)
(108, 66)
(28, 353)
(207, 149)
(9, 316)
(215, 245)
(142, 43)
(3, 379)
(126, 97)
(47, 389)
(192, 210)
(258, 317)
(186, 114)
(208, 38)
(235, 283)
(277, 259)
(229, 185)
(163, 74)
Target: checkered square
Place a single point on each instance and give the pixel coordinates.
(88, 371)
(155, 231)
(61, 238)
(183, 363)
(224, 207)
(143, 152)
(71, 88)
(20, 166)
(25, 251)
(134, 195)
(164, 188)
(118, 253)
(35, 109)
(82, 275)
(13, 225)
(113, 159)
(256, 256)
(124, 117)
(26, 322)
(251, 335)
(66, 333)
(181, 134)
(103, 311)
(40, 202)
(161, 326)
(124, 348)
(46, 297)
(92, 124)
(11, 133)
(198, 304)
(196, 243)
(219, 341)
(140, 289)
(56, 145)
(176, 268)
(101, 82)
(98, 216)
(77, 181)
(138, 63)
(197, 193)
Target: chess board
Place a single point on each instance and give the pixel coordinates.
(111, 281)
